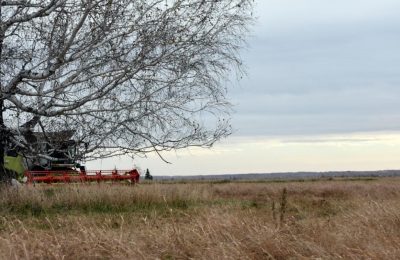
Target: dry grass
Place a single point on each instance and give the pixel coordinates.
(321, 219)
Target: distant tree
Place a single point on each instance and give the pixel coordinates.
(148, 176)
(126, 76)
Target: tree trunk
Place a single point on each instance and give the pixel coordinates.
(3, 137)
(3, 172)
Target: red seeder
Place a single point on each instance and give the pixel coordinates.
(66, 176)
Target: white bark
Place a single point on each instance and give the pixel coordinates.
(128, 76)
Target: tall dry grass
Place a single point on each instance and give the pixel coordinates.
(323, 219)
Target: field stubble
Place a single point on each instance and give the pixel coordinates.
(321, 219)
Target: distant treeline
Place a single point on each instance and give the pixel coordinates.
(284, 175)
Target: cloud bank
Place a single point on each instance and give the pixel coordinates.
(321, 67)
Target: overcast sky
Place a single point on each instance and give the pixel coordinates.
(322, 93)
(321, 67)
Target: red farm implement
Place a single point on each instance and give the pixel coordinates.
(68, 176)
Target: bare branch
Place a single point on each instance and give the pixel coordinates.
(126, 76)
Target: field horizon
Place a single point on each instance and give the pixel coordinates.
(296, 175)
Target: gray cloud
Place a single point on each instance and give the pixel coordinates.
(335, 140)
(321, 67)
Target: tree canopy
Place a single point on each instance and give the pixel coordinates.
(125, 76)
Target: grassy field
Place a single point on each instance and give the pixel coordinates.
(327, 219)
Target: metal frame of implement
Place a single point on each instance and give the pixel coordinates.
(67, 176)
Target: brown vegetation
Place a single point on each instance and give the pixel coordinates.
(277, 220)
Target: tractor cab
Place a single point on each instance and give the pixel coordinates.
(52, 151)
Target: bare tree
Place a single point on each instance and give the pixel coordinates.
(126, 76)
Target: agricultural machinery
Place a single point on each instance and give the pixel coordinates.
(57, 160)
